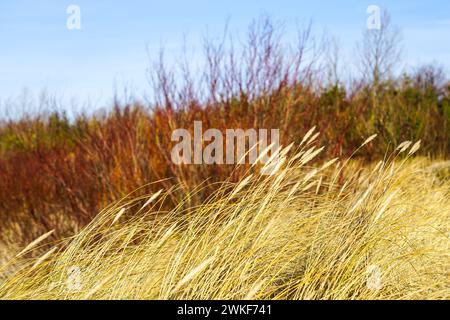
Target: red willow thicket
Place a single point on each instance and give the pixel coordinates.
(57, 173)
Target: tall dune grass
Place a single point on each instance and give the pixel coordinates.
(338, 230)
(58, 172)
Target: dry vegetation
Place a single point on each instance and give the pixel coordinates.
(314, 230)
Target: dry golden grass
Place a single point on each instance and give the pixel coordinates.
(341, 230)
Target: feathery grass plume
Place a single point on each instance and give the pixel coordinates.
(385, 205)
(241, 185)
(309, 156)
(414, 148)
(119, 214)
(193, 273)
(328, 163)
(309, 175)
(263, 153)
(378, 166)
(404, 146)
(35, 242)
(313, 138)
(369, 139)
(309, 186)
(274, 155)
(274, 166)
(151, 199)
(44, 257)
(308, 134)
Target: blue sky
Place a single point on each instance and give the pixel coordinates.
(38, 51)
